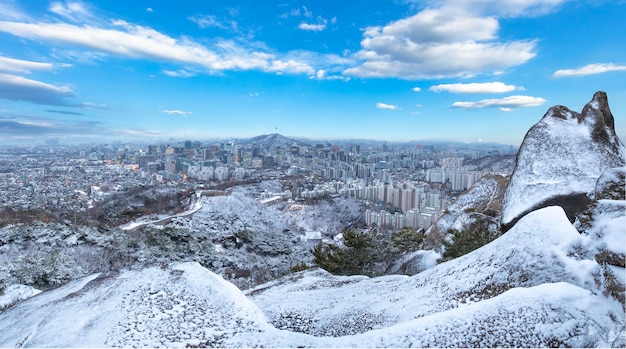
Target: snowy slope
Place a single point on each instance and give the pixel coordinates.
(47, 255)
(16, 293)
(184, 304)
(534, 286)
(539, 249)
(561, 158)
(483, 200)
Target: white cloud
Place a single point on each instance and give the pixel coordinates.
(484, 87)
(589, 69)
(138, 42)
(437, 43)
(312, 27)
(205, 21)
(443, 25)
(337, 77)
(72, 10)
(80, 56)
(12, 65)
(289, 66)
(180, 73)
(149, 9)
(18, 88)
(380, 105)
(177, 112)
(322, 74)
(416, 89)
(9, 10)
(208, 21)
(501, 8)
(306, 12)
(505, 104)
(333, 20)
(92, 106)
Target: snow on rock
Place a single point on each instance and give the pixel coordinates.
(16, 293)
(611, 184)
(540, 249)
(154, 307)
(486, 194)
(561, 158)
(414, 262)
(548, 315)
(608, 228)
(483, 200)
(533, 286)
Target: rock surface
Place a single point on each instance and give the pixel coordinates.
(560, 160)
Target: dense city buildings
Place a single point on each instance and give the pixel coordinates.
(402, 185)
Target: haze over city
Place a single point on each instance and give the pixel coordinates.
(470, 71)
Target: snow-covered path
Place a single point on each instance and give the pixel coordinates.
(194, 207)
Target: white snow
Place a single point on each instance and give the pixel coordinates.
(557, 157)
(523, 289)
(535, 286)
(609, 229)
(16, 293)
(194, 207)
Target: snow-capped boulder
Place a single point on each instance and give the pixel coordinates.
(560, 160)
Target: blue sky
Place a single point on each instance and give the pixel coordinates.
(397, 70)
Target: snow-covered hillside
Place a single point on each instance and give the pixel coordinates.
(234, 236)
(482, 201)
(561, 158)
(534, 286)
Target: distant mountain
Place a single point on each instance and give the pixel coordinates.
(561, 158)
(276, 139)
(271, 141)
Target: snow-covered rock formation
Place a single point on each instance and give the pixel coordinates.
(561, 158)
(535, 286)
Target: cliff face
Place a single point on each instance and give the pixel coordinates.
(560, 160)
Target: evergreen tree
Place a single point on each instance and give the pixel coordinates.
(464, 242)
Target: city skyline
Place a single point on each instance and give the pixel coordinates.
(462, 70)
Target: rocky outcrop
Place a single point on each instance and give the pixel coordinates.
(482, 203)
(561, 159)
